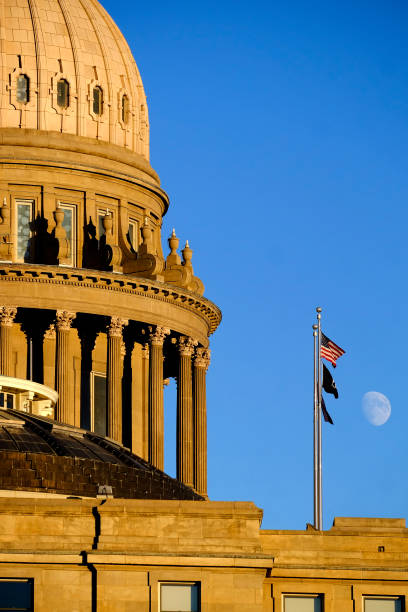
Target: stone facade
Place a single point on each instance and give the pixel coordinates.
(113, 555)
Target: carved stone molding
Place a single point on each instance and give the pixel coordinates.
(54, 275)
(158, 335)
(186, 346)
(202, 358)
(64, 320)
(116, 326)
(7, 315)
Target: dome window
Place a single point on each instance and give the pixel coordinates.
(23, 84)
(97, 100)
(125, 109)
(63, 93)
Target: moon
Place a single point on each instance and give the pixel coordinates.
(376, 408)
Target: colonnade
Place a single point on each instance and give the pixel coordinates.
(193, 362)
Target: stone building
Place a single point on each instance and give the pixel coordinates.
(93, 319)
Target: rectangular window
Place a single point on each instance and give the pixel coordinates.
(24, 218)
(383, 604)
(16, 594)
(303, 603)
(179, 597)
(7, 400)
(133, 234)
(69, 225)
(101, 215)
(98, 403)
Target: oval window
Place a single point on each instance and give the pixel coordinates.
(125, 108)
(63, 93)
(23, 89)
(97, 100)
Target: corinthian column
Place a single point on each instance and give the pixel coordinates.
(185, 423)
(114, 378)
(156, 414)
(63, 371)
(201, 363)
(7, 314)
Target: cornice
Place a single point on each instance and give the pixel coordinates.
(50, 140)
(108, 281)
(78, 154)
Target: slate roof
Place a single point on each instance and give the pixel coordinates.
(38, 454)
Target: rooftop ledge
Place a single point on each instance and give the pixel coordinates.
(343, 525)
(368, 524)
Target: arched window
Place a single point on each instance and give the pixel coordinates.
(125, 108)
(63, 93)
(23, 85)
(97, 105)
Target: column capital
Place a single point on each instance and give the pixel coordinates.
(186, 346)
(50, 332)
(7, 315)
(64, 320)
(158, 335)
(202, 358)
(116, 326)
(145, 351)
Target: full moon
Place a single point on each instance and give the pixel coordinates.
(376, 408)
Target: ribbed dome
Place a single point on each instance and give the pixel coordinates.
(66, 67)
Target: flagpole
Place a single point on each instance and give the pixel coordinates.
(315, 433)
(319, 421)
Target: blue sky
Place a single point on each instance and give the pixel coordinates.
(280, 130)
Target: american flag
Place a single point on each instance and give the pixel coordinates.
(329, 350)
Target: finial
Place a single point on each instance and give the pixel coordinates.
(173, 241)
(315, 326)
(318, 309)
(187, 255)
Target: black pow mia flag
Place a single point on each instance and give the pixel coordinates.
(328, 383)
(326, 415)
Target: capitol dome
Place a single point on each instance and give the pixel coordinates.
(91, 308)
(67, 68)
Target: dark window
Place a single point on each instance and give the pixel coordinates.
(23, 88)
(63, 93)
(125, 108)
(16, 594)
(99, 404)
(97, 100)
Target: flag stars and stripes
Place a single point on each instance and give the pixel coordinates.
(330, 350)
